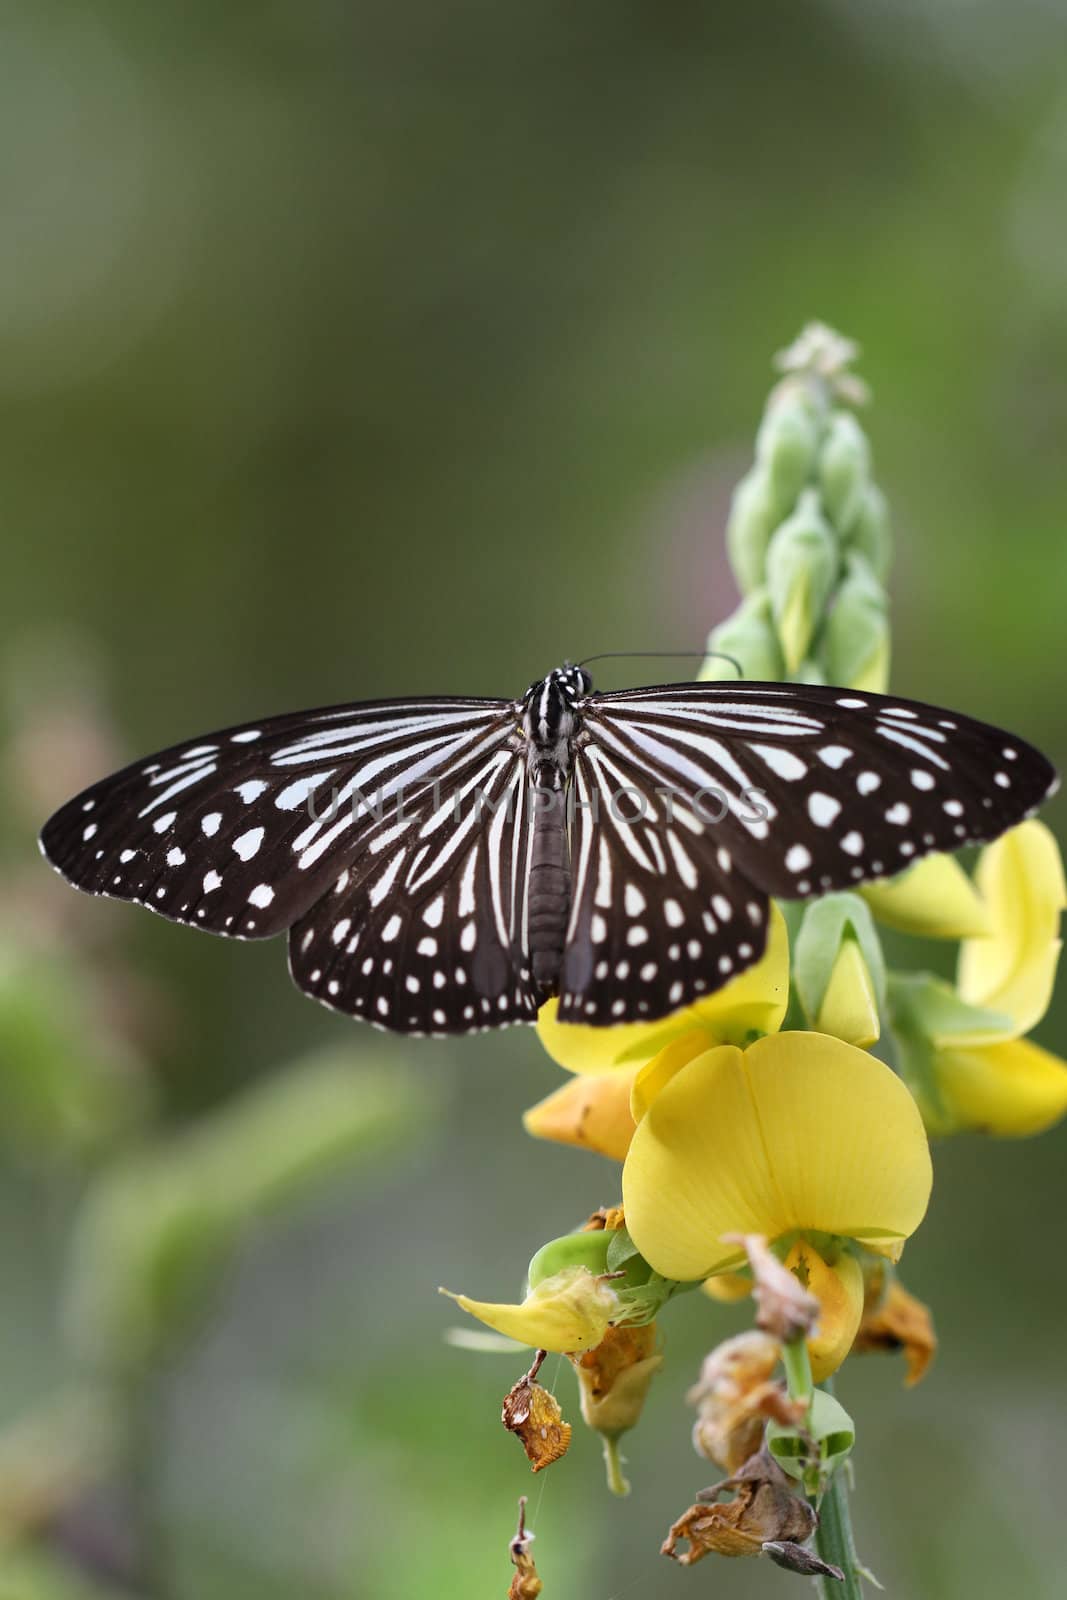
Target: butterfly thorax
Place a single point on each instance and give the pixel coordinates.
(550, 725)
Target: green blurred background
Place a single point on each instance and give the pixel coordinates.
(358, 349)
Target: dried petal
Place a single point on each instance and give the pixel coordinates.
(900, 1322)
(735, 1395)
(764, 1510)
(535, 1417)
(785, 1309)
(525, 1585)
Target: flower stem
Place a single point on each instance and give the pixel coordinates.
(833, 1537)
(797, 1364)
(833, 1540)
(617, 1481)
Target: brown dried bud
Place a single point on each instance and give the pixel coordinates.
(764, 1511)
(784, 1308)
(610, 1217)
(784, 1553)
(898, 1321)
(535, 1417)
(735, 1395)
(525, 1585)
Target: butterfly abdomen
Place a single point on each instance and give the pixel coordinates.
(550, 883)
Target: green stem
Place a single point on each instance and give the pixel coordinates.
(833, 1540)
(797, 1364)
(833, 1537)
(617, 1482)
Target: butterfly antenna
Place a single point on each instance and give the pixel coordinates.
(615, 655)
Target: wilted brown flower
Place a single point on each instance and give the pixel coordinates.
(536, 1418)
(764, 1511)
(610, 1217)
(896, 1320)
(735, 1395)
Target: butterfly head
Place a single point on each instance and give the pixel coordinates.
(550, 707)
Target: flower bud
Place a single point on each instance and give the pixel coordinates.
(753, 518)
(748, 636)
(870, 535)
(786, 444)
(844, 470)
(849, 1007)
(840, 987)
(855, 648)
(802, 563)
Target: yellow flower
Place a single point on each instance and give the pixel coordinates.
(798, 1137)
(962, 1050)
(569, 1311)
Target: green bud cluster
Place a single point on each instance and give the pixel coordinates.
(808, 535)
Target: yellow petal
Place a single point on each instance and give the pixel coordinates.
(838, 1287)
(1013, 1088)
(589, 1111)
(657, 1073)
(569, 1311)
(849, 1007)
(753, 1002)
(728, 1287)
(934, 899)
(800, 1131)
(1012, 970)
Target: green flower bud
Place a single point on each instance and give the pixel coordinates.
(802, 564)
(855, 645)
(870, 534)
(844, 470)
(588, 1248)
(749, 637)
(752, 520)
(786, 446)
(827, 924)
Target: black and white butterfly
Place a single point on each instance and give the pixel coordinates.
(445, 865)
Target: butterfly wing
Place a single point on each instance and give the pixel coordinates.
(427, 931)
(243, 830)
(660, 912)
(778, 789)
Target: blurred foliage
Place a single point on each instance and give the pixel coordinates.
(353, 350)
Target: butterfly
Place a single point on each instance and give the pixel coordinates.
(445, 865)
